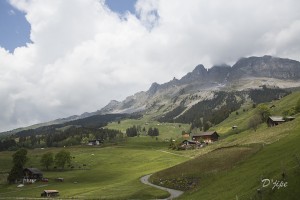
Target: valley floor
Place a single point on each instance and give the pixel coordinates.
(104, 173)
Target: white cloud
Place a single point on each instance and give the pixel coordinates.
(84, 55)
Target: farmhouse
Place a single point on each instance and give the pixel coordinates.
(207, 137)
(276, 120)
(32, 173)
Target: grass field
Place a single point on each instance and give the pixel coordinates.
(166, 130)
(194, 172)
(110, 172)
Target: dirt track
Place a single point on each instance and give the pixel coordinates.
(173, 193)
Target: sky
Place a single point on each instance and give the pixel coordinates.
(14, 29)
(64, 57)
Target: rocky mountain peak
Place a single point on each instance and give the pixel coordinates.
(198, 74)
(199, 70)
(154, 87)
(111, 106)
(266, 66)
(114, 102)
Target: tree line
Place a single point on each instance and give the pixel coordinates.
(138, 130)
(48, 159)
(56, 137)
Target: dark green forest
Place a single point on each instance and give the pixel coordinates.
(67, 134)
(209, 112)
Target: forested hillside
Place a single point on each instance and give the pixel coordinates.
(211, 112)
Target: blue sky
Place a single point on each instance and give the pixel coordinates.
(121, 6)
(15, 30)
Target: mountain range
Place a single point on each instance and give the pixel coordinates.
(180, 95)
(245, 74)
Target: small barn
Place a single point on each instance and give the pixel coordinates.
(50, 193)
(95, 142)
(32, 173)
(276, 120)
(189, 144)
(207, 137)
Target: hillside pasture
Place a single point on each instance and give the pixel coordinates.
(244, 180)
(278, 159)
(98, 173)
(166, 130)
(192, 174)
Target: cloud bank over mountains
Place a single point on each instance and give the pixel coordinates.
(83, 54)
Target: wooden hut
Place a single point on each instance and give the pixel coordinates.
(50, 193)
(32, 173)
(276, 120)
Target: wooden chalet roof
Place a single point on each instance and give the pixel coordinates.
(206, 133)
(189, 141)
(51, 191)
(277, 118)
(33, 170)
(290, 117)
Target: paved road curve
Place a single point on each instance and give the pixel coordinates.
(173, 193)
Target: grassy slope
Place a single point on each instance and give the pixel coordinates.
(280, 143)
(196, 171)
(241, 120)
(244, 179)
(111, 173)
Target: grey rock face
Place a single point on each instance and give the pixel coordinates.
(219, 73)
(154, 87)
(113, 104)
(198, 74)
(266, 66)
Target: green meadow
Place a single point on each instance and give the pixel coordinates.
(99, 173)
(166, 130)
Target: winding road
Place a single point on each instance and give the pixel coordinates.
(173, 193)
